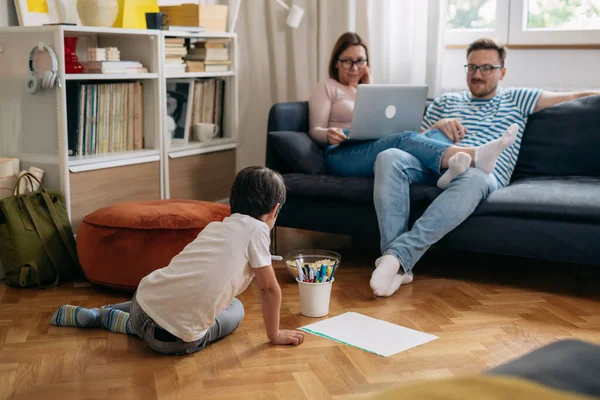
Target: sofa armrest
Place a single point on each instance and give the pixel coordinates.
(292, 117)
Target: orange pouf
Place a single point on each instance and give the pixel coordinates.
(120, 244)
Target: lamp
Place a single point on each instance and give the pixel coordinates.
(295, 14)
(293, 20)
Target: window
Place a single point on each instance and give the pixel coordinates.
(468, 20)
(560, 22)
(524, 22)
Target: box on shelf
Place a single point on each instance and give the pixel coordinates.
(213, 17)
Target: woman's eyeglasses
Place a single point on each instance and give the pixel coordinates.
(348, 63)
(485, 69)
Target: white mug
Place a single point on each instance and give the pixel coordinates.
(204, 131)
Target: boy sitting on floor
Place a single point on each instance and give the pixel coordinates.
(185, 306)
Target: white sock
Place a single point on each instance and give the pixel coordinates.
(386, 267)
(457, 165)
(486, 155)
(385, 280)
(397, 281)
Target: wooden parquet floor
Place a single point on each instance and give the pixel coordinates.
(480, 324)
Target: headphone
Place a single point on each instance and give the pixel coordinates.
(50, 78)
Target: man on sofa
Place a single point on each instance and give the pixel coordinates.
(470, 118)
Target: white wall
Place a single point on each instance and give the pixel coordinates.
(545, 69)
(8, 15)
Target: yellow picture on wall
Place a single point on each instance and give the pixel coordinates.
(37, 6)
(132, 13)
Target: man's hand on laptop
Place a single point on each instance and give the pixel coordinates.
(452, 128)
(335, 136)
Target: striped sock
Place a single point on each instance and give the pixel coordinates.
(76, 316)
(117, 321)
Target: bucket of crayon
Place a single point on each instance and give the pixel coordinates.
(315, 297)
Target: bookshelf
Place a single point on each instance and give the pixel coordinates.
(35, 128)
(207, 167)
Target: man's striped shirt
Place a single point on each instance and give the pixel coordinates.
(487, 120)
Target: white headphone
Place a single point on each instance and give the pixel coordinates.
(50, 78)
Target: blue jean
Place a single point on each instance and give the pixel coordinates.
(395, 171)
(357, 158)
(163, 342)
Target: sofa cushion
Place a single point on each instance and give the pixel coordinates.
(299, 151)
(350, 189)
(553, 198)
(562, 140)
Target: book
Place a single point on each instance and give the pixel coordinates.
(216, 68)
(104, 117)
(208, 54)
(212, 43)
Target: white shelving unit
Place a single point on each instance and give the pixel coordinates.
(228, 141)
(34, 128)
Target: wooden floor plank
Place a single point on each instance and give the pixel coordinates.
(482, 319)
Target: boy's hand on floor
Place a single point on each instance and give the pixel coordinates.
(289, 337)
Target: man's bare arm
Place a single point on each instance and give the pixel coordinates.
(549, 99)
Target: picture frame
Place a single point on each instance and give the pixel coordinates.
(37, 12)
(33, 12)
(179, 100)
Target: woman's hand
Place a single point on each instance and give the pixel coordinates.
(452, 128)
(289, 337)
(367, 76)
(335, 136)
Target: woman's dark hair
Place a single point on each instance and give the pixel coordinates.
(255, 191)
(348, 39)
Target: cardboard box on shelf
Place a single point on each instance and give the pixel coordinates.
(213, 17)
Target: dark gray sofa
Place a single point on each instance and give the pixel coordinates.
(550, 211)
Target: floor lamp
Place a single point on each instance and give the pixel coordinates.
(294, 18)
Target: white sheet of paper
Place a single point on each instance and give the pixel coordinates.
(370, 334)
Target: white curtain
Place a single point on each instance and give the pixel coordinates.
(278, 63)
(405, 40)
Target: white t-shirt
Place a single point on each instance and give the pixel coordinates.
(185, 297)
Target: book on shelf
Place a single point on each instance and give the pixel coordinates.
(175, 51)
(173, 60)
(208, 102)
(174, 41)
(212, 43)
(208, 54)
(195, 66)
(104, 117)
(216, 68)
(207, 66)
(113, 67)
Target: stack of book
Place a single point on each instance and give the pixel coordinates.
(175, 51)
(104, 117)
(209, 55)
(113, 67)
(104, 54)
(208, 102)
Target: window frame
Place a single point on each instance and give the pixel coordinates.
(466, 36)
(511, 19)
(520, 35)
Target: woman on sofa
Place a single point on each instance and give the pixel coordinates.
(332, 103)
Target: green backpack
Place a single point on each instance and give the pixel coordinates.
(37, 246)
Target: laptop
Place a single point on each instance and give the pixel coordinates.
(381, 110)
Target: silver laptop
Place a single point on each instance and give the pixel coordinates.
(381, 110)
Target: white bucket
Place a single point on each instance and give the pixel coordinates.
(314, 298)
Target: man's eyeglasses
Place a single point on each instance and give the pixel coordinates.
(348, 63)
(485, 69)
